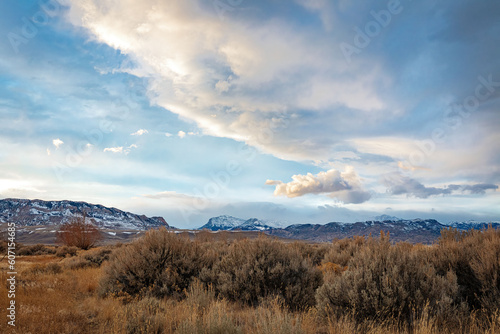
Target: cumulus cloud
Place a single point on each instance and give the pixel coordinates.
(167, 134)
(181, 134)
(57, 142)
(344, 186)
(139, 132)
(398, 184)
(120, 149)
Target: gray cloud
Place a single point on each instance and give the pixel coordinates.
(479, 188)
(399, 184)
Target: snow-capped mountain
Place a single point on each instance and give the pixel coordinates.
(382, 218)
(222, 223)
(38, 213)
(229, 223)
(416, 230)
(253, 224)
(474, 225)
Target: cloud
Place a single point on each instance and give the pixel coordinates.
(139, 132)
(344, 186)
(479, 188)
(169, 195)
(167, 134)
(57, 142)
(399, 184)
(120, 149)
(181, 134)
(254, 74)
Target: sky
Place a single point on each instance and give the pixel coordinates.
(299, 111)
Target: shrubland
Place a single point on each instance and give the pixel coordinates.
(166, 283)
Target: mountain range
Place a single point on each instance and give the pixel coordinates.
(415, 230)
(38, 213)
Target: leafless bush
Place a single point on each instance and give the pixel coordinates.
(79, 233)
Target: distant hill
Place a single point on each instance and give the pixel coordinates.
(415, 230)
(26, 212)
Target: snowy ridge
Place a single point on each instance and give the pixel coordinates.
(229, 223)
(38, 213)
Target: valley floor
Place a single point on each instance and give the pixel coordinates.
(59, 294)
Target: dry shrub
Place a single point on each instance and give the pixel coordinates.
(39, 269)
(315, 253)
(79, 233)
(475, 258)
(272, 317)
(38, 249)
(65, 251)
(160, 263)
(91, 258)
(218, 319)
(199, 297)
(3, 243)
(256, 269)
(388, 282)
(343, 250)
(145, 316)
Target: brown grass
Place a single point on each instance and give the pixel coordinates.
(54, 297)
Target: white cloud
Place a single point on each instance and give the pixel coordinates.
(345, 186)
(48, 152)
(181, 134)
(167, 134)
(118, 149)
(222, 86)
(254, 77)
(139, 132)
(57, 142)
